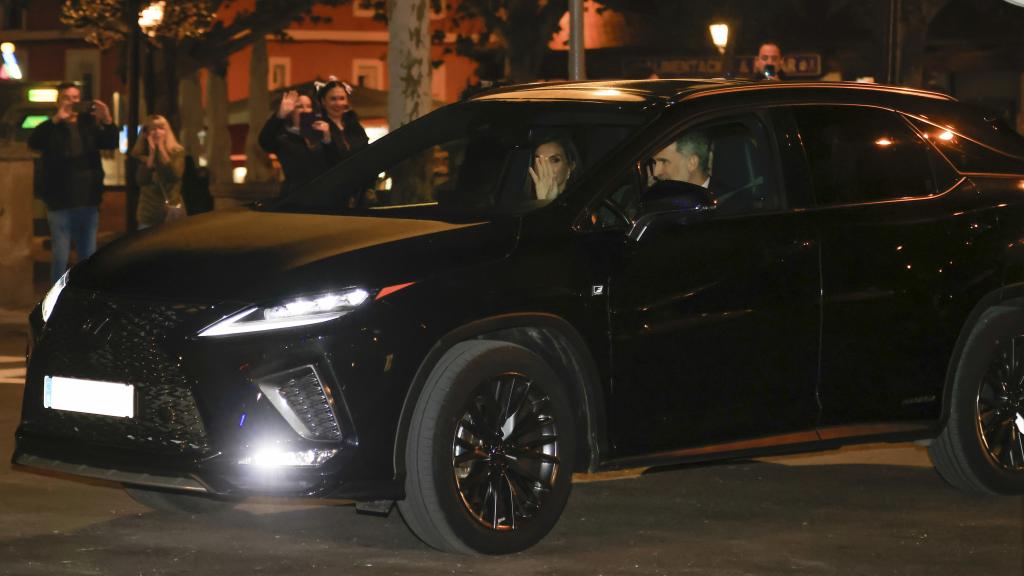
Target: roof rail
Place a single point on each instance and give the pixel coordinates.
(816, 85)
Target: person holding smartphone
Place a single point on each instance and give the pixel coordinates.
(70, 142)
(347, 134)
(161, 164)
(768, 63)
(300, 139)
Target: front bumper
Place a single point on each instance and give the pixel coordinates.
(204, 406)
(214, 475)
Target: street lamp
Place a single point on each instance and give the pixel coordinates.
(10, 61)
(151, 16)
(720, 36)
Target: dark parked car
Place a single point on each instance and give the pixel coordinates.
(557, 278)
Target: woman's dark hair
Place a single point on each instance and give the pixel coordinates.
(563, 139)
(324, 89)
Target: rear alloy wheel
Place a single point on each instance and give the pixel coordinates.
(179, 502)
(999, 407)
(981, 448)
(490, 451)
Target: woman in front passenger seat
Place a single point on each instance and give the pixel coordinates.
(554, 161)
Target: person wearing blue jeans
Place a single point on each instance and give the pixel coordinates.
(72, 188)
(72, 225)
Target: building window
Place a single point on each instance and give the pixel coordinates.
(360, 11)
(12, 16)
(368, 73)
(280, 72)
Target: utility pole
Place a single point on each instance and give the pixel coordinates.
(577, 64)
(892, 43)
(133, 65)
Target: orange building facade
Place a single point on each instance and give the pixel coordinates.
(348, 43)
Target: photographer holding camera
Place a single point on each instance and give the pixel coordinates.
(768, 63)
(70, 143)
(161, 165)
(300, 139)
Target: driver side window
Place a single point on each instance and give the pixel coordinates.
(729, 158)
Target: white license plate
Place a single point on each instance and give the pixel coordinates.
(89, 396)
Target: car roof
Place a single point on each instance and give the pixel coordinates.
(678, 90)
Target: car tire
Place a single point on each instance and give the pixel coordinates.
(490, 452)
(981, 447)
(179, 502)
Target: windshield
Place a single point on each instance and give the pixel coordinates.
(472, 159)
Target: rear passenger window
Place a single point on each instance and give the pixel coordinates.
(862, 155)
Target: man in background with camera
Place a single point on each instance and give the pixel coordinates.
(72, 188)
(768, 63)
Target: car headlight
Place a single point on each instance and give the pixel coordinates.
(289, 314)
(50, 300)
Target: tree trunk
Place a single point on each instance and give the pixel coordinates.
(219, 137)
(409, 69)
(531, 25)
(192, 114)
(409, 97)
(257, 163)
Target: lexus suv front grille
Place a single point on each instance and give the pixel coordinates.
(98, 337)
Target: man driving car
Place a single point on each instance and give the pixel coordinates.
(688, 159)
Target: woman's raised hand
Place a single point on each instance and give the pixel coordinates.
(288, 102)
(543, 176)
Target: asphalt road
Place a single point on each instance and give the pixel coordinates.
(875, 510)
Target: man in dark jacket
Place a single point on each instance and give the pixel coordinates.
(70, 142)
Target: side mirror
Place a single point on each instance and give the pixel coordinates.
(670, 202)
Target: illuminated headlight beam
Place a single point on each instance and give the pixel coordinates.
(289, 314)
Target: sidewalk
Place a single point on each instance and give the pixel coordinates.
(14, 320)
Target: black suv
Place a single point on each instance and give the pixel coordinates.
(558, 278)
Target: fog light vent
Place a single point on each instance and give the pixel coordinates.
(304, 402)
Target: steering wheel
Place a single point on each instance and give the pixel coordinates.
(616, 211)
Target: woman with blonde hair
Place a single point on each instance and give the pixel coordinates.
(161, 165)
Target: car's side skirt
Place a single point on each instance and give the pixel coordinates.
(782, 443)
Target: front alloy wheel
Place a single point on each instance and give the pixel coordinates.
(505, 452)
(489, 455)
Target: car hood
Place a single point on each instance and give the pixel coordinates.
(250, 255)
